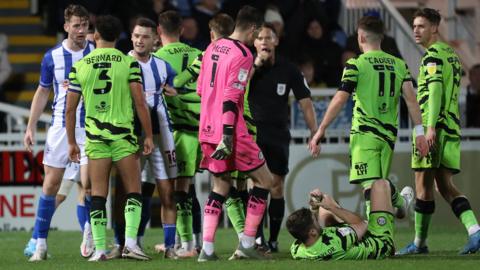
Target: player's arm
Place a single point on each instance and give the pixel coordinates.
(235, 87)
(73, 98)
(141, 107)
(433, 66)
(353, 220)
(416, 116)
(347, 86)
(303, 95)
(190, 73)
(171, 75)
(40, 100)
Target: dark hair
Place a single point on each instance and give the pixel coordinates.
(476, 66)
(146, 22)
(247, 17)
(432, 15)
(299, 224)
(75, 10)
(109, 27)
(372, 25)
(171, 22)
(222, 24)
(271, 27)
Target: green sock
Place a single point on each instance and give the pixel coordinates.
(98, 219)
(236, 213)
(422, 222)
(367, 208)
(133, 212)
(397, 200)
(185, 220)
(468, 219)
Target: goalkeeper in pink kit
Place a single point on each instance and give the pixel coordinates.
(224, 138)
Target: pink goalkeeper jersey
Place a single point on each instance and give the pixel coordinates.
(223, 77)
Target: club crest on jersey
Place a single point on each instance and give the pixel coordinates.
(243, 75)
(281, 89)
(431, 68)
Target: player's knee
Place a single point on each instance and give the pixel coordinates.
(381, 184)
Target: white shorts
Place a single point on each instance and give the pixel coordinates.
(162, 163)
(72, 172)
(56, 147)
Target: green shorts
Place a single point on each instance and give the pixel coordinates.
(188, 153)
(378, 241)
(446, 154)
(370, 158)
(237, 175)
(115, 150)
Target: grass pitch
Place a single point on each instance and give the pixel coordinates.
(444, 243)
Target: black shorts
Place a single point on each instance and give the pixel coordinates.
(275, 146)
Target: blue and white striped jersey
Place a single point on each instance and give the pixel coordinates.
(56, 66)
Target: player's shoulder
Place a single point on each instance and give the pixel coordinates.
(352, 63)
(239, 47)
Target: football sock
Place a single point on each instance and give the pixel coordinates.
(235, 210)
(276, 211)
(255, 210)
(81, 210)
(462, 209)
(184, 216)
(169, 231)
(423, 215)
(46, 209)
(98, 217)
(133, 211)
(147, 192)
(212, 212)
(196, 210)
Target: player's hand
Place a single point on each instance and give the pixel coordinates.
(169, 90)
(422, 145)
(74, 153)
(328, 202)
(314, 144)
(147, 146)
(28, 139)
(431, 137)
(316, 197)
(224, 148)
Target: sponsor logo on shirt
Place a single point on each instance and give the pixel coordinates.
(243, 75)
(281, 89)
(344, 231)
(361, 168)
(102, 107)
(431, 68)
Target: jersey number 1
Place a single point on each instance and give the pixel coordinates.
(214, 69)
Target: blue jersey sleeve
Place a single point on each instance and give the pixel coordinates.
(47, 71)
(170, 74)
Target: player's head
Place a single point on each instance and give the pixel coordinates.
(248, 21)
(221, 25)
(170, 24)
(267, 38)
(107, 28)
(425, 26)
(370, 31)
(474, 77)
(144, 36)
(76, 23)
(303, 226)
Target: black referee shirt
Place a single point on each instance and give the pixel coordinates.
(269, 91)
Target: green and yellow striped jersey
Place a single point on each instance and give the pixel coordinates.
(103, 78)
(375, 78)
(184, 109)
(440, 64)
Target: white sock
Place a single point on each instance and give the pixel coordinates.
(420, 242)
(473, 229)
(41, 243)
(240, 235)
(208, 247)
(247, 241)
(130, 242)
(188, 245)
(33, 240)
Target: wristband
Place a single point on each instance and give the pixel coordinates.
(419, 130)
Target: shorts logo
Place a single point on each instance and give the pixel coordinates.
(243, 75)
(381, 221)
(431, 68)
(102, 107)
(281, 89)
(361, 168)
(260, 155)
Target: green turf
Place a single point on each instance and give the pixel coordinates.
(64, 249)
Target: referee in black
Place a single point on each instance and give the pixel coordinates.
(273, 79)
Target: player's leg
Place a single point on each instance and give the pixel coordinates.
(99, 173)
(196, 217)
(234, 206)
(148, 187)
(63, 191)
(118, 220)
(128, 165)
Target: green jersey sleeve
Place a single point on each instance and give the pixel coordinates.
(73, 84)
(349, 76)
(135, 72)
(189, 74)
